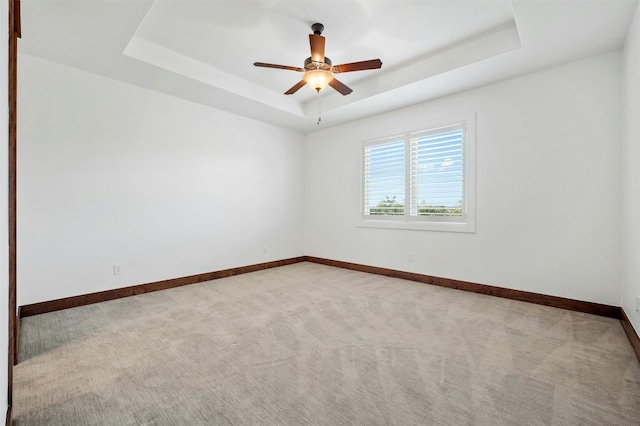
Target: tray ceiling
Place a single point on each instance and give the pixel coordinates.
(203, 51)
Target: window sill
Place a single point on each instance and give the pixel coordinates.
(466, 227)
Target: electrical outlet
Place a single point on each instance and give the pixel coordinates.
(117, 269)
(264, 249)
(637, 303)
(410, 257)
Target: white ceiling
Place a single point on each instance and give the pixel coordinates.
(203, 51)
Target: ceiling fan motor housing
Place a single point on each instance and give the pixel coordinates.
(309, 64)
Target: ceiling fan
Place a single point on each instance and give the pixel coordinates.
(318, 70)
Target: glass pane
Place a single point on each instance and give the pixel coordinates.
(384, 179)
(437, 175)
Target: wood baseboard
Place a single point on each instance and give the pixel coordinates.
(523, 296)
(631, 332)
(103, 296)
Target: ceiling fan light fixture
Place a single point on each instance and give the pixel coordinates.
(318, 70)
(317, 79)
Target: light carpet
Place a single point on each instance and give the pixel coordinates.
(309, 344)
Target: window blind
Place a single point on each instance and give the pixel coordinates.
(436, 173)
(384, 178)
(422, 180)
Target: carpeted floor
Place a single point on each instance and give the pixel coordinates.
(308, 344)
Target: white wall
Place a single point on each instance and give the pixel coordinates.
(4, 207)
(110, 173)
(548, 198)
(631, 173)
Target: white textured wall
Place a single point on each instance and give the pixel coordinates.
(547, 185)
(110, 173)
(631, 173)
(4, 207)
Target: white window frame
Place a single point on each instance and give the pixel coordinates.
(466, 223)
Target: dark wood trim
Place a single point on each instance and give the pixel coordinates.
(17, 20)
(16, 336)
(9, 420)
(523, 296)
(631, 333)
(507, 293)
(103, 296)
(14, 32)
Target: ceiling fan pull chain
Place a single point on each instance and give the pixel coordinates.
(319, 109)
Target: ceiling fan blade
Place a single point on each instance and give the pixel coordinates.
(317, 47)
(340, 87)
(280, 67)
(371, 64)
(295, 88)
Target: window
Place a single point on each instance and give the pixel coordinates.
(421, 180)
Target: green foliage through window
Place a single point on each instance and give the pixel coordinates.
(388, 206)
